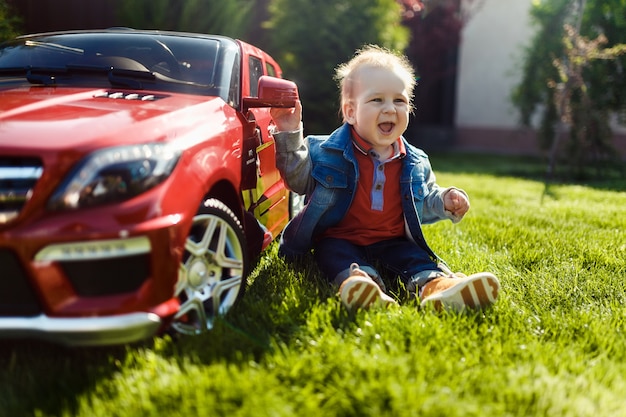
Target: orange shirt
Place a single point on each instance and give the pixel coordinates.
(376, 211)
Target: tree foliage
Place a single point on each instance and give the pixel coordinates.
(222, 17)
(9, 21)
(310, 38)
(589, 75)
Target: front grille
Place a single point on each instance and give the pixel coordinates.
(110, 276)
(16, 296)
(18, 177)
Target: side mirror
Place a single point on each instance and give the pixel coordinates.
(273, 92)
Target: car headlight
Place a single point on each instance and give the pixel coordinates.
(115, 174)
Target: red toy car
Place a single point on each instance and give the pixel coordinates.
(137, 181)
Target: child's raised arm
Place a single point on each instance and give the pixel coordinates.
(287, 119)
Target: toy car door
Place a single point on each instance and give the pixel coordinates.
(269, 200)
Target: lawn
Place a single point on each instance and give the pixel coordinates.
(553, 345)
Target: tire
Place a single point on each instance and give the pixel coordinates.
(213, 269)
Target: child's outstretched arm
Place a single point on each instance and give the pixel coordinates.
(444, 203)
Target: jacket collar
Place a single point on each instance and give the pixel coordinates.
(339, 139)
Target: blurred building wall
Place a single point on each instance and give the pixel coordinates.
(491, 48)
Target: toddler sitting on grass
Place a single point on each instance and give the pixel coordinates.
(368, 192)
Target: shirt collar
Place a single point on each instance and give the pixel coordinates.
(399, 151)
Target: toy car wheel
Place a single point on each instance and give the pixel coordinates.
(213, 268)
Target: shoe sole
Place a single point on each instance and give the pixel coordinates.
(475, 292)
(360, 292)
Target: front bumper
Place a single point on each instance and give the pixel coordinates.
(89, 292)
(64, 268)
(83, 331)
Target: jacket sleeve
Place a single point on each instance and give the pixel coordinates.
(433, 203)
(293, 161)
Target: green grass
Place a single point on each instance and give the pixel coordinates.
(553, 345)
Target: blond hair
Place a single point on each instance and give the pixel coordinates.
(377, 57)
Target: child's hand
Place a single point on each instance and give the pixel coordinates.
(287, 119)
(456, 202)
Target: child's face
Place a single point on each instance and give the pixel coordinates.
(379, 107)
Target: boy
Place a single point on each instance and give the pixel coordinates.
(368, 192)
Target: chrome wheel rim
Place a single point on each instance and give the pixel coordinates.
(210, 275)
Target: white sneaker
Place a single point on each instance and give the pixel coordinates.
(456, 293)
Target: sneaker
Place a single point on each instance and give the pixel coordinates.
(360, 291)
(458, 292)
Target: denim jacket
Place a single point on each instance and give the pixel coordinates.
(324, 169)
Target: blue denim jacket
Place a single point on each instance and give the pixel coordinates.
(324, 169)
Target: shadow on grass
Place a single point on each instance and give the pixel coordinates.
(41, 377)
(273, 310)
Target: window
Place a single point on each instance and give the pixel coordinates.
(256, 70)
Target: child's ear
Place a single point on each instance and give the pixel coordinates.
(349, 112)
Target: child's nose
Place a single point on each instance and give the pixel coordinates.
(389, 107)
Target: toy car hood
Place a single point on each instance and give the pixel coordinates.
(85, 119)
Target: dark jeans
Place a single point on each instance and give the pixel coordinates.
(399, 256)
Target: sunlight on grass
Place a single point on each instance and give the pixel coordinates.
(553, 345)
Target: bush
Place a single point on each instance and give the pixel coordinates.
(9, 22)
(224, 17)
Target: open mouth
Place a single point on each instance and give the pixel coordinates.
(386, 127)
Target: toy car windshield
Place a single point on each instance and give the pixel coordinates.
(195, 65)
